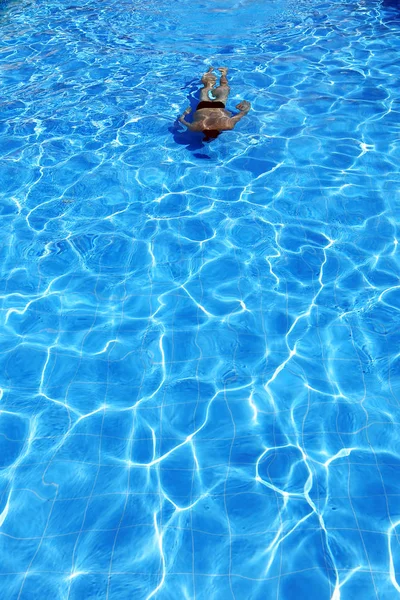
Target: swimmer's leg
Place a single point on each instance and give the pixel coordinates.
(221, 92)
(208, 80)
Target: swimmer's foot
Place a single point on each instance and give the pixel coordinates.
(209, 79)
(223, 80)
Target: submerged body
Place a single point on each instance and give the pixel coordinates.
(211, 116)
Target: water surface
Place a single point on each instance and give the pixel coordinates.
(199, 344)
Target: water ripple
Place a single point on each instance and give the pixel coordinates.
(199, 343)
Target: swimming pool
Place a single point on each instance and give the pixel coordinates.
(199, 349)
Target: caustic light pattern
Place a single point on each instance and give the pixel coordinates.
(199, 342)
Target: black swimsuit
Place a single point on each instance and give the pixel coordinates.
(209, 104)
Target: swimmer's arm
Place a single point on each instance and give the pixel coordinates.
(244, 108)
(182, 119)
(188, 125)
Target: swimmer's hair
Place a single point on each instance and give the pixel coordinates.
(210, 134)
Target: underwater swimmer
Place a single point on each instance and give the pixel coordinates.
(210, 116)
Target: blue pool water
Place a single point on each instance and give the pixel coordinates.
(199, 342)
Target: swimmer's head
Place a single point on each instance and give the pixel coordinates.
(210, 134)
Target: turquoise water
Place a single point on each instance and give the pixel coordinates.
(199, 342)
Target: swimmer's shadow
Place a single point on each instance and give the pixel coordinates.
(191, 140)
(181, 135)
(390, 4)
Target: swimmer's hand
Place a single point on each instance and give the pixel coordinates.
(182, 119)
(244, 106)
